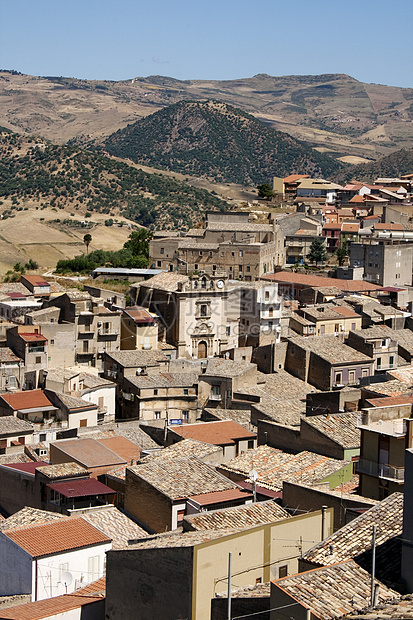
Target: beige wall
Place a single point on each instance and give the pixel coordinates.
(257, 553)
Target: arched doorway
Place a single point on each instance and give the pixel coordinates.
(202, 349)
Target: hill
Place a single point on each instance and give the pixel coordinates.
(218, 141)
(393, 166)
(332, 112)
(67, 177)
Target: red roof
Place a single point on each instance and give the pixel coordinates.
(49, 607)
(81, 488)
(388, 401)
(291, 277)
(295, 177)
(123, 447)
(36, 280)
(219, 433)
(333, 226)
(391, 226)
(218, 497)
(357, 198)
(32, 337)
(345, 311)
(56, 536)
(28, 468)
(349, 227)
(140, 315)
(29, 399)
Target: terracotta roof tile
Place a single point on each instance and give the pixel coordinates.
(223, 432)
(125, 448)
(27, 399)
(56, 536)
(50, 607)
(309, 281)
(332, 591)
(246, 515)
(217, 497)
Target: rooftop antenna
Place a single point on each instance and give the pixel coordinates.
(66, 578)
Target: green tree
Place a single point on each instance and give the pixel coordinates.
(265, 191)
(317, 253)
(86, 240)
(138, 243)
(342, 253)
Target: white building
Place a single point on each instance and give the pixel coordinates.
(52, 558)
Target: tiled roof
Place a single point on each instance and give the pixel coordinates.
(63, 470)
(88, 452)
(9, 424)
(219, 497)
(73, 403)
(394, 387)
(227, 368)
(49, 608)
(36, 280)
(29, 516)
(292, 178)
(354, 540)
(186, 447)
(165, 281)
(274, 466)
(258, 590)
(340, 428)
(32, 337)
(81, 488)
(309, 280)
(240, 416)
(398, 609)
(91, 381)
(165, 380)
(178, 539)
(330, 349)
(134, 359)
(56, 536)
(332, 591)
(181, 477)
(246, 515)
(27, 400)
(115, 525)
(222, 432)
(7, 355)
(388, 226)
(349, 227)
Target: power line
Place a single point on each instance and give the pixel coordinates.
(265, 611)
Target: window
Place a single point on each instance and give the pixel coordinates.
(353, 327)
(379, 362)
(241, 253)
(85, 346)
(210, 255)
(248, 269)
(38, 359)
(365, 372)
(271, 312)
(186, 391)
(52, 341)
(82, 423)
(352, 377)
(162, 250)
(159, 263)
(282, 571)
(228, 331)
(338, 378)
(42, 437)
(196, 265)
(258, 580)
(185, 415)
(267, 296)
(157, 415)
(203, 310)
(250, 444)
(200, 253)
(239, 267)
(93, 568)
(391, 360)
(155, 392)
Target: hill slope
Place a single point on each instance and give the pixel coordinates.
(215, 140)
(332, 111)
(393, 165)
(69, 177)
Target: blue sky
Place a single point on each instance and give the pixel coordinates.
(209, 39)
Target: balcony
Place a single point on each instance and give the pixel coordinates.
(380, 470)
(108, 332)
(112, 373)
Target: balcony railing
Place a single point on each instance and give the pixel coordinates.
(380, 470)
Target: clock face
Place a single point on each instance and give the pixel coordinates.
(220, 283)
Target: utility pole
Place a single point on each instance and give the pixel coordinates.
(229, 584)
(373, 566)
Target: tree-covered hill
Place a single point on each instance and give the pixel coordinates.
(218, 141)
(393, 165)
(69, 177)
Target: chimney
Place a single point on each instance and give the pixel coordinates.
(323, 522)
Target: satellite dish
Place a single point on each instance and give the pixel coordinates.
(253, 475)
(66, 578)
